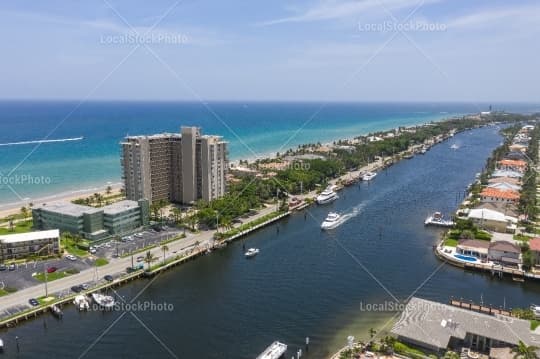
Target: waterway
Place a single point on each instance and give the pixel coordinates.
(304, 282)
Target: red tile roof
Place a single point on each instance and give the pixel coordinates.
(513, 163)
(534, 244)
(497, 193)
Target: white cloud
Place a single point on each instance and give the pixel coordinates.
(510, 16)
(338, 9)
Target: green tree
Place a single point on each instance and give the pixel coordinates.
(524, 351)
(165, 249)
(149, 258)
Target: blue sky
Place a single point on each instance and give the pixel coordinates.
(330, 50)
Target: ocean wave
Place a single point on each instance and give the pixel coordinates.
(42, 141)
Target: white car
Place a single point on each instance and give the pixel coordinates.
(93, 251)
(71, 257)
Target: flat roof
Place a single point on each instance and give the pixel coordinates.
(434, 324)
(30, 236)
(119, 207)
(68, 208)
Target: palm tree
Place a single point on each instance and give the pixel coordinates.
(108, 190)
(24, 212)
(164, 248)
(149, 258)
(372, 332)
(524, 351)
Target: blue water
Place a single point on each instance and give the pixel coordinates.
(253, 129)
(465, 258)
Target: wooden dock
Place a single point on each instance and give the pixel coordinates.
(486, 309)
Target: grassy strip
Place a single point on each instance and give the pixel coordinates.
(72, 247)
(51, 276)
(449, 242)
(534, 324)
(101, 262)
(249, 225)
(21, 227)
(7, 290)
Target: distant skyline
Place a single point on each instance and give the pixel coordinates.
(309, 50)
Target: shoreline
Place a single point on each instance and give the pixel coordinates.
(14, 207)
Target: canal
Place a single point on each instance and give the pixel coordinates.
(304, 282)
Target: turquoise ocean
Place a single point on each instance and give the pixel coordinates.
(84, 153)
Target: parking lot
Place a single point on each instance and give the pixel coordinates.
(21, 276)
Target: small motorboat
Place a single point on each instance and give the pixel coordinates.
(81, 302)
(252, 252)
(1, 345)
(56, 311)
(436, 219)
(369, 176)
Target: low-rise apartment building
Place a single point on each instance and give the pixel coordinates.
(22, 245)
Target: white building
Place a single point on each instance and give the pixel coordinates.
(492, 220)
(20, 245)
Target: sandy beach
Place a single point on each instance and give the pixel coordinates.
(14, 207)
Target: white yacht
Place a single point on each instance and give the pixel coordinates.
(368, 176)
(252, 252)
(436, 219)
(104, 301)
(332, 220)
(327, 196)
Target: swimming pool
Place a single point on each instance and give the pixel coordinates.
(465, 258)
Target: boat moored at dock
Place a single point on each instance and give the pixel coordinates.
(274, 351)
(369, 176)
(104, 301)
(56, 311)
(437, 219)
(81, 302)
(327, 196)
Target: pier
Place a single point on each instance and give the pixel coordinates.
(470, 305)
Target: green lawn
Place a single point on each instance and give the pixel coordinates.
(450, 242)
(101, 262)
(50, 276)
(21, 227)
(71, 247)
(7, 290)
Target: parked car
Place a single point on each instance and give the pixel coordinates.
(11, 267)
(140, 258)
(76, 288)
(33, 302)
(108, 278)
(3, 267)
(51, 269)
(71, 257)
(93, 251)
(85, 286)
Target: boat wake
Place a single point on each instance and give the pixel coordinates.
(355, 211)
(42, 141)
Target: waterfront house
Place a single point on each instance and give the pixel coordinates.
(534, 246)
(473, 247)
(506, 173)
(517, 148)
(516, 155)
(22, 245)
(512, 165)
(508, 209)
(505, 253)
(492, 220)
(436, 327)
(511, 180)
(505, 186)
(496, 195)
